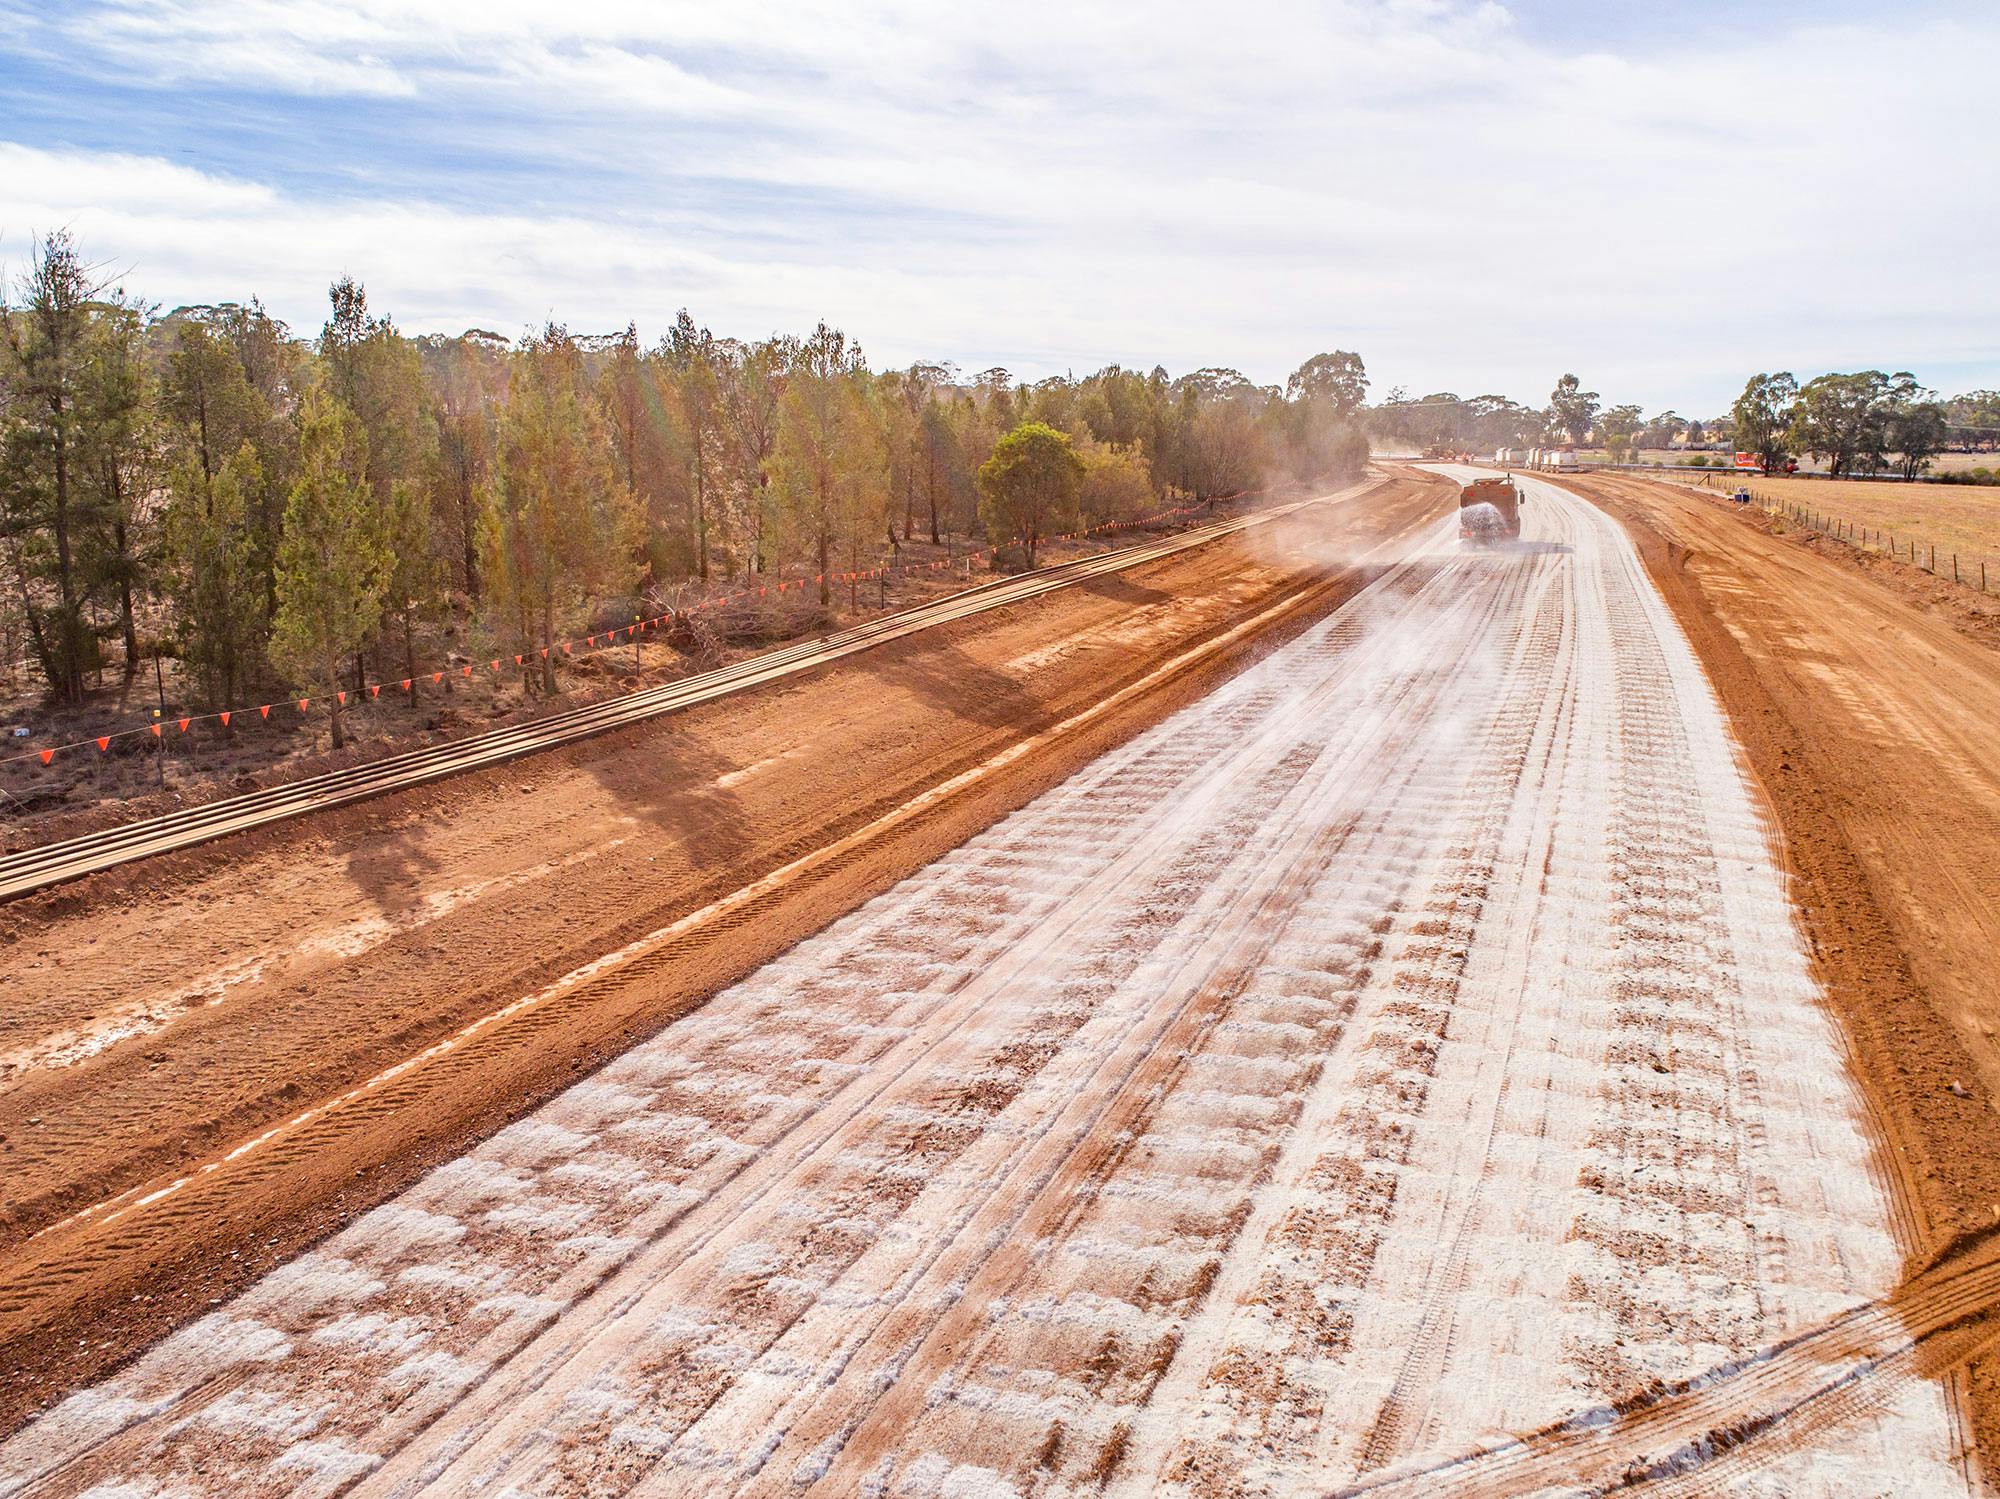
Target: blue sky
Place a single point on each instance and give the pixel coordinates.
(1663, 198)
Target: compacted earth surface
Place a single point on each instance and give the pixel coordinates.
(1397, 1064)
(211, 1059)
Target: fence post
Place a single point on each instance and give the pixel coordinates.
(1954, 567)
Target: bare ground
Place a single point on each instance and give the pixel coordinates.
(164, 1015)
(1410, 1042)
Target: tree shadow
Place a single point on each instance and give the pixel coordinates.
(1121, 589)
(682, 788)
(390, 868)
(669, 781)
(677, 785)
(941, 674)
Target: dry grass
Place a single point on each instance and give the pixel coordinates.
(1958, 463)
(1959, 518)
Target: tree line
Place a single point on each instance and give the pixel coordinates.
(1865, 422)
(1444, 422)
(264, 508)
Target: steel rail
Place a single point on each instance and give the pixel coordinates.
(90, 853)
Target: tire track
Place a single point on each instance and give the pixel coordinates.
(1753, 1421)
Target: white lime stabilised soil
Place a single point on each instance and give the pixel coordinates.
(1408, 1044)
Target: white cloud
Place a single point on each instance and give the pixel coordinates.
(1073, 184)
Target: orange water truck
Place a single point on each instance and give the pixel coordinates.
(1489, 511)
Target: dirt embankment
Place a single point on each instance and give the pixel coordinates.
(172, 1011)
(1870, 712)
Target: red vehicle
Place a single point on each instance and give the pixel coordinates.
(1749, 463)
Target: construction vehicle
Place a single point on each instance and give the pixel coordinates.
(1750, 463)
(1489, 511)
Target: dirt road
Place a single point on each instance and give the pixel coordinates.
(205, 1060)
(1409, 1043)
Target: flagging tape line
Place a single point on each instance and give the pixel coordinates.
(103, 742)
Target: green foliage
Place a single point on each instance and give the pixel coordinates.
(206, 399)
(559, 525)
(117, 454)
(313, 509)
(1843, 419)
(1447, 423)
(1116, 484)
(47, 513)
(332, 566)
(830, 453)
(1620, 427)
(1761, 417)
(1916, 425)
(1029, 486)
(1337, 380)
(215, 570)
(378, 375)
(1572, 409)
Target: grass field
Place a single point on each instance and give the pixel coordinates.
(1958, 463)
(1953, 518)
(1943, 463)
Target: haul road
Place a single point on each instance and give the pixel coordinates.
(1408, 1044)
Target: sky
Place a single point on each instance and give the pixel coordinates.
(1477, 197)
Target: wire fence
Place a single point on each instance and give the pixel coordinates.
(1966, 569)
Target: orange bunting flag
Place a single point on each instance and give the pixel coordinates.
(225, 718)
(264, 710)
(47, 755)
(468, 668)
(155, 728)
(406, 683)
(496, 665)
(343, 698)
(517, 658)
(545, 653)
(104, 744)
(566, 650)
(303, 702)
(184, 724)
(436, 677)
(374, 689)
